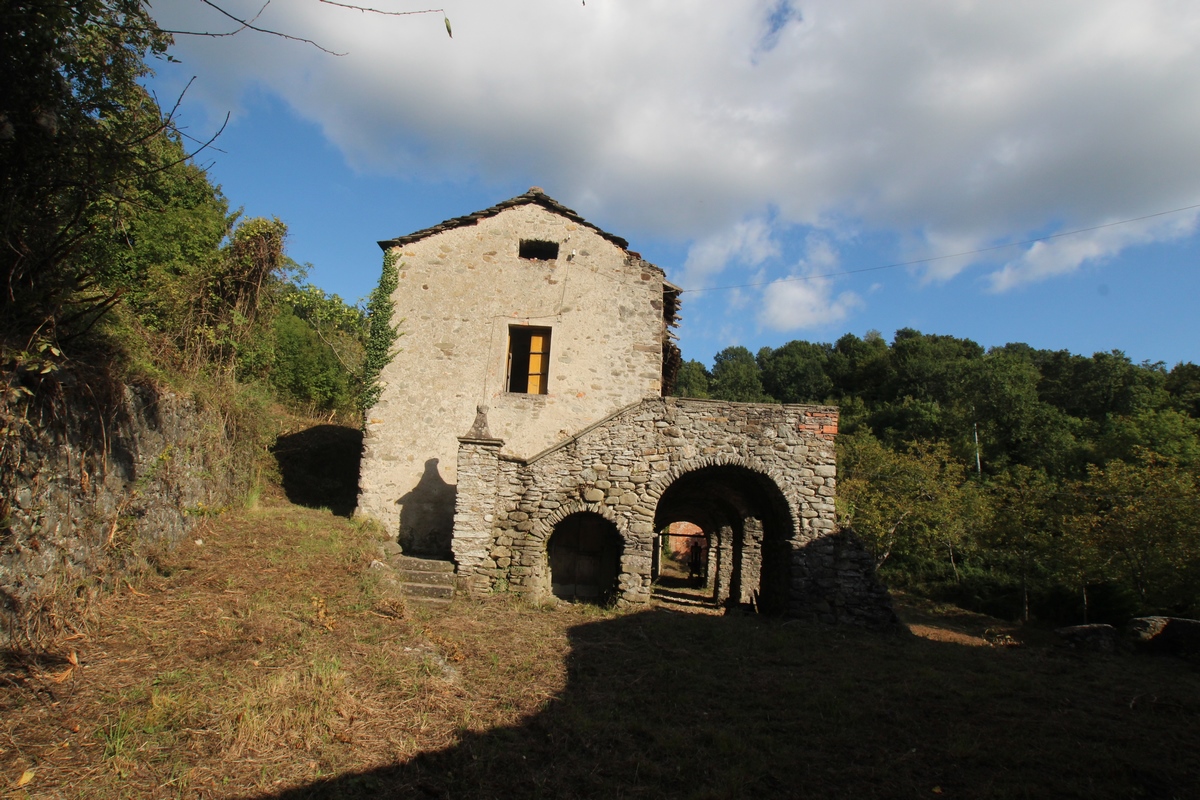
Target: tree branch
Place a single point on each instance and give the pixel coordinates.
(441, 11)
(248, 24)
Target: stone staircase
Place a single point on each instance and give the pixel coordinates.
(428, 582)
(689, 602)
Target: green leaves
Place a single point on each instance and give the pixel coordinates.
(736, 377)
(381, 333)
(81, 137)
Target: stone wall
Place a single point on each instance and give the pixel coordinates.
(460, 288)
(623, 467)
(89, 490)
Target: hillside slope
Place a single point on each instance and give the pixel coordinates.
(262, 662)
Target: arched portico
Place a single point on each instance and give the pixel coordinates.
(750, 529)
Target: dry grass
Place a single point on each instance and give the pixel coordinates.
(263, 662)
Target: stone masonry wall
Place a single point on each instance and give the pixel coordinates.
(87, 490)
(459, 291)
(620, 468)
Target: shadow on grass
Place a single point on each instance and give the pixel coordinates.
(663, 704)
(319, 467)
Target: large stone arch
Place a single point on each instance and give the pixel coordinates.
(678, 470)
(751, 524)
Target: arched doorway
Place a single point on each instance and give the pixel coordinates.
(584, 553)
(749, 529)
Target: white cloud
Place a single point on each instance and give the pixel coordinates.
(748, 243)
(805, 299)
(963, 123)
(1057, 256)
(796, 304)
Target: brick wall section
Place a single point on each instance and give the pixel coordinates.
(620, 467)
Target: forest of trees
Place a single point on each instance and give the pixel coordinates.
(1020, 482)
(120, 259)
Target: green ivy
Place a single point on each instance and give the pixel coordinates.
(381, 333)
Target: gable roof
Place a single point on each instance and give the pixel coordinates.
(534, 196)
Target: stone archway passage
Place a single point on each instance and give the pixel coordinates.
(747, 515)
(584, 553)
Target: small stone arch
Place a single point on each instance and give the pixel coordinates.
(583, 558)
(543, 529)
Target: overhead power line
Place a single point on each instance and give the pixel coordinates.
(930, 259)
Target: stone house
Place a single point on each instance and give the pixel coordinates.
(525, 430)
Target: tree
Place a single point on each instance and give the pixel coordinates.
(77, 137)
(1144, 518)
(1165, 432)
(915, 503)
(692, 380)
(319, 349)
(927, 367)
(795, 373)
(1183, 384)
(860, 367)
(1021, 535)
(999, 394)
(735, 376)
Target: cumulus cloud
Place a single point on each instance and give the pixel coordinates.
(748, 243)
(805, 298)
(1052, 257)
(964, 123)
(792, 305)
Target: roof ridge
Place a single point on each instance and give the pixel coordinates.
(534, 196)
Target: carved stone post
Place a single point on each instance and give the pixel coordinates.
(474, 507)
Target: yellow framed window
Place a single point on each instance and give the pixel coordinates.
(528, 359)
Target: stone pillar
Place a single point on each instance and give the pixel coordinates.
(750, 563)
(724, 539)
(475, 505)
(710, 568)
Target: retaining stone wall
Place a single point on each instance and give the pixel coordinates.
(86, 490)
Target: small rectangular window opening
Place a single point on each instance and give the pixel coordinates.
(538, 250)
(528, 359)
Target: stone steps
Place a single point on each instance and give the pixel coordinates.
(685, 601)
(425, 581)
(428, 582)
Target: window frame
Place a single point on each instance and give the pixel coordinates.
(531, 366)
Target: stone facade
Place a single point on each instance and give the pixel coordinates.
(463, 288)
(759, 478)
(575, 461)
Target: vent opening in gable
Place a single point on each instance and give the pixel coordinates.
(538, 250)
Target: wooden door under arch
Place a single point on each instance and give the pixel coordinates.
(584, 553)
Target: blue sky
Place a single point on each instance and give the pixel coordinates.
(769, 146)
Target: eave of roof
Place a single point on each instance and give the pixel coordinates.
(534, 196)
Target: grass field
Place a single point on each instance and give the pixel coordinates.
(262, 662)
